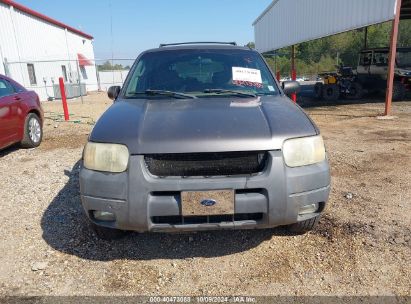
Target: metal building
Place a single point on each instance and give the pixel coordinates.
(289, 22)
(36, 50)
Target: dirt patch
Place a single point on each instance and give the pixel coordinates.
(64, 141)
(332, 229)
(120, 277)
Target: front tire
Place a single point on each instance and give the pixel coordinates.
(304, 226)
(318, 90)
(108, 234)
(33, 131)
(356, 91)
(331, 92)
(398, 92)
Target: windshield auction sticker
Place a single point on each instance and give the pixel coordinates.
(247, 77)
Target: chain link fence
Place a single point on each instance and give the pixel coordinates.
(80, 76)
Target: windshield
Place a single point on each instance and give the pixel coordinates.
(200, 73)
(404, 59)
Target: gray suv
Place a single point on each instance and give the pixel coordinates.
(202, 137)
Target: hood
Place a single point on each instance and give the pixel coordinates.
(202, 125)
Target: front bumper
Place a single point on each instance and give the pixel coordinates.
(142, 202)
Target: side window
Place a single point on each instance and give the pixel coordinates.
(32, 74)
(380, 59)
(17, 88)
(5, 88)
(365, 58)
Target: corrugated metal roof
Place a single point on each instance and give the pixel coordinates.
(289, 22)
(31, 12)
(406, 9)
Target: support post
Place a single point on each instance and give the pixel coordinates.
(277, 71)
(97, 76)
(64, 99)
(392, 56)
(293, 72)
(366, 38)
(79, 80)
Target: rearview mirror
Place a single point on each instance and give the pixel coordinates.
(113, 92)
(290, 87)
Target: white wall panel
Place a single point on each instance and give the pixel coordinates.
(112, 78)
(288, 22)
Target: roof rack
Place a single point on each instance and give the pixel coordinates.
(202, 42)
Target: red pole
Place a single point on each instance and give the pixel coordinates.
(278, 76)
(293, 72)
(392, 56)
(64, 99)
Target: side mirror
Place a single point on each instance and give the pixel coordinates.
(113, 92)
(290, 87)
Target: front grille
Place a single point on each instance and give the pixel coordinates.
(211, 219)
(206, 164)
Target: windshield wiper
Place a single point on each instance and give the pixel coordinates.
(222, 91)
(170, 94)
(162, 93)
(267, 94)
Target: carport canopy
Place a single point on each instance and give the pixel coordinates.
(289, 22)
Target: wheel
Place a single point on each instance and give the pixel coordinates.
(108, 234)
(33, 131)
(304, 226)
(318, 90)
(356, 91)
(331, 92)
(398, 92)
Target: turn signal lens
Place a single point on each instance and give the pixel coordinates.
(308, 209)
(104, 216)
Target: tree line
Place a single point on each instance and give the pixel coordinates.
(108, 66)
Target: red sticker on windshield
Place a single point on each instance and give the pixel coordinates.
(248, 84)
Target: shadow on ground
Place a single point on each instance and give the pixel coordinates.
(306, 99)
(9, 150)
(66, 229)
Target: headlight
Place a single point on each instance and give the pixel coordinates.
(106, 157)
(304, 151)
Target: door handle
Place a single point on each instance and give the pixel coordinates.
(17, 98)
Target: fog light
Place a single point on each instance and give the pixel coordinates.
(104, 216)
(307, 209)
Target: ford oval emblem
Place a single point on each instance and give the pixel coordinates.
(208, 202)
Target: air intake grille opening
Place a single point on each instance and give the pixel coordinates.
(214, 219)
(206, 164)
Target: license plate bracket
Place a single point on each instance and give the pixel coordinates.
(212, 202)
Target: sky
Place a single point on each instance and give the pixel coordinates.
(138, 25)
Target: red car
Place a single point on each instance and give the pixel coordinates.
(21, 115)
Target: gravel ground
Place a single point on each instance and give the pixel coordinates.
(361, 247)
